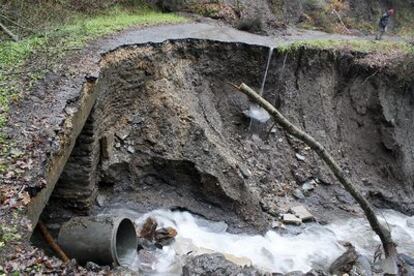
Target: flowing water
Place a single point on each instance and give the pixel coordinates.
(315, 246)
(255, 112)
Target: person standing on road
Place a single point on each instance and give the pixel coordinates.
(383, 23)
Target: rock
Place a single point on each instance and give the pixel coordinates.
(91, 266)
(70, 110)
(295, 273)
(148, 229)
(123, 133)
(362, 266)
(131, 149)
(406, 264)
(302, 213)
(298, 194)
(344, 263)
(217, 265)
(165, 236)
(291, 219)
(100, 200)
(246, 173)
(345, 198)
(300, 157)
(278, 225)
(309, 186)
(316, 272)
(240, 261)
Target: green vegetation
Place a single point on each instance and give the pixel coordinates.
(54, 42)
(358, 45)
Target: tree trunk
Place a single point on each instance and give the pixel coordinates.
(390, 264)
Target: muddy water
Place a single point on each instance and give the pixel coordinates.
(314, 246)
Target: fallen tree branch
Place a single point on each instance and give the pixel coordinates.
(390, 264)
(49, 239)
(16, 24)
(9, 33)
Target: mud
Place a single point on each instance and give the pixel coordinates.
(168, 131)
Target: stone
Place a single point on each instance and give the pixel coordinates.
(363, 266)
(100, 200)
(300, 157)
(240, 261)
(297, 193)
(295, 273)
(316, 272)
(246, 173)
(291, 219)
(345, 198)
(308, 186)
(278, 225)
(123, 133)
(302, 213)
(131, 149)
(91, 266)
(70, 110)
(216, 264)
(344, 263)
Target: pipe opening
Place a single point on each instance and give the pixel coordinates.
(125, 243)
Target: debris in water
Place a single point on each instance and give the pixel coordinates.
(148, 229)
(315, 246)
(165, 236)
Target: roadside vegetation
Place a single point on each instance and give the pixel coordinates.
(337, 16)
(385, 47)
(53, 38)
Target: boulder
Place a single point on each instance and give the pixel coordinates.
(291, 219)
(217, 265)
(302, 213)
(344, 263)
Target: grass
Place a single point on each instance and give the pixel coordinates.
(54, 43)
(358, 45)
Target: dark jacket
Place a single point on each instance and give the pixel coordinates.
(384, 20)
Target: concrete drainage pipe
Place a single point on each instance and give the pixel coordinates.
(104, 240)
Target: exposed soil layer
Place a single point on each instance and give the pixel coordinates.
(168, 131)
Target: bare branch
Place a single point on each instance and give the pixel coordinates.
(390, 264)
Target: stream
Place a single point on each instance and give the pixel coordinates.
(297, 249)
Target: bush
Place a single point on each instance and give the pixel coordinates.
(251, 24)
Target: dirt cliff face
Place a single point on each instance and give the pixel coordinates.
(168, 131)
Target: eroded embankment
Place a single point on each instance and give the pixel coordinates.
(168, 131)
